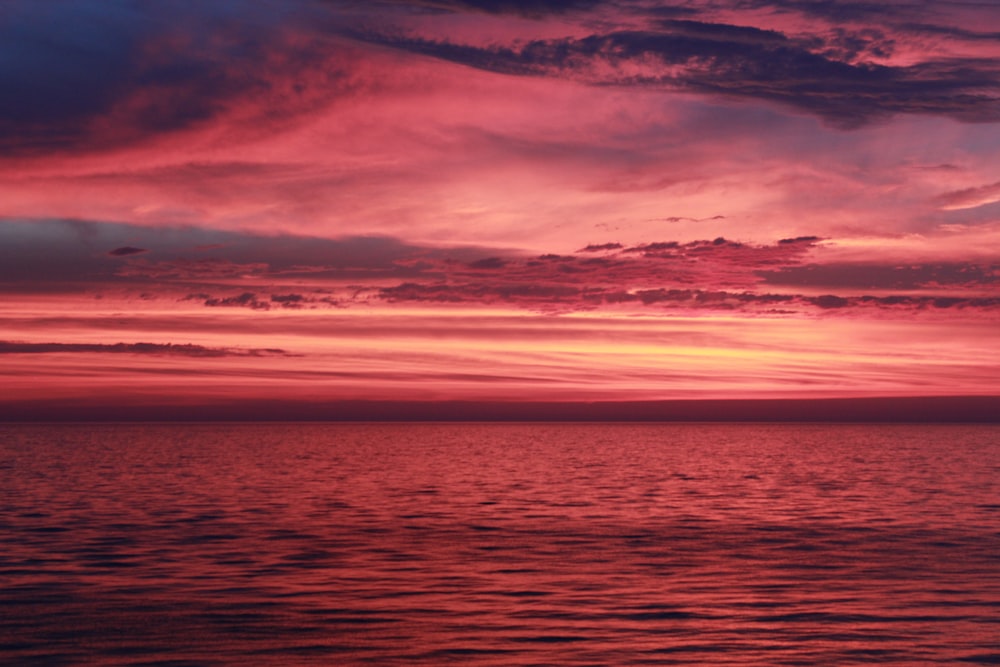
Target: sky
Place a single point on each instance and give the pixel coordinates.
(221, 202)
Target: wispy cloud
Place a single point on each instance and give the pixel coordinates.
(845, 77)
(157, 349)
(969, 197)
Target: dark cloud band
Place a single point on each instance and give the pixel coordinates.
(156, 349)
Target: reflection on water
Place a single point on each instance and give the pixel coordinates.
(499, 544)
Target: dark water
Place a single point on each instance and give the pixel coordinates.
(499, 544)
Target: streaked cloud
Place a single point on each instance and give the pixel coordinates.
(183, 349)
(969, 197)
(846, 75)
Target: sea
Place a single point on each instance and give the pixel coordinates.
(499, 544)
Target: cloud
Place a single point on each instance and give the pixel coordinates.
(244, 300)
(598, 247)
(488, 263)
(880, 276)
(841, 11)
(799, 239)
(693, 274)
(483, 293)
(208, 269)
(706, 276)
(834, 75)
(565, 298)
(681, 218)
(244, 271)
(952, 31)
(531, 8)
(96, 74)
(830, 301)
(126, 250)
(71, 255)
(289, 300)
(171, 349)
(381, 141)
(969, 197)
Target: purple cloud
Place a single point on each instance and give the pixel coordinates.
(125, 251)
(185, 350)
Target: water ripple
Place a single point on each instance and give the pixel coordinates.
(176, 545)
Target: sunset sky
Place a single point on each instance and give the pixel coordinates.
(209, 202)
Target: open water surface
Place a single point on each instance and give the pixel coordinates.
(499, 544)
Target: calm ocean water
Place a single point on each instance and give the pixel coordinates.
(499, 544)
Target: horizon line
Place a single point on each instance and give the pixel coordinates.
(876, 409)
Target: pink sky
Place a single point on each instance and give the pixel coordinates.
(498, 201)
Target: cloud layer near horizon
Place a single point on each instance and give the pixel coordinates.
(181, 267)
